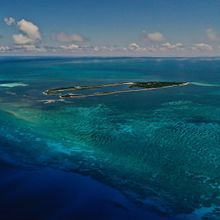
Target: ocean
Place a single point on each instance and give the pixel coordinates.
(144, 155)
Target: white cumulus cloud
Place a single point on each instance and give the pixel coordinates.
(9, 21)
(68, 38)
(170, 46)
(70, 47)
(22, 39)
(134, 46)
(155, 36)
(4, 49)
(30, 33)
(30, 29)
(202, 47)
(30, 48)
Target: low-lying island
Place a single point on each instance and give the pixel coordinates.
(99, 90)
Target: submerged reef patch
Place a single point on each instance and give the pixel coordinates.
(135, 151)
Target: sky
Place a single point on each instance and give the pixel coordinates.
(110, 27)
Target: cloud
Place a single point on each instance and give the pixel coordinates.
(22, 39)
(202, 47)
(9, 20)
(170, 46)
(151, 49)
(4, 49)
(106, 49)
(137, 48)
(211, 34)
(70, 47)
(155, 36)
(165, 47)
(69, 38)
(30, 33)
(134, 46)
(30, 48)
(22, 49)
(29, 29)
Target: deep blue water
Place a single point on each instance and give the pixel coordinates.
(143, 155)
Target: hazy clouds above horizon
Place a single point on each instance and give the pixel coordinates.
(114, 28)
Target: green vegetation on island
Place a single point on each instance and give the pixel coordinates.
(154, 84)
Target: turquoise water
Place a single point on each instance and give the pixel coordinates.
(159, 148)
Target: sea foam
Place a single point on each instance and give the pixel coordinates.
(11, 85)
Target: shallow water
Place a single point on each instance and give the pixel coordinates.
(158, 148)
